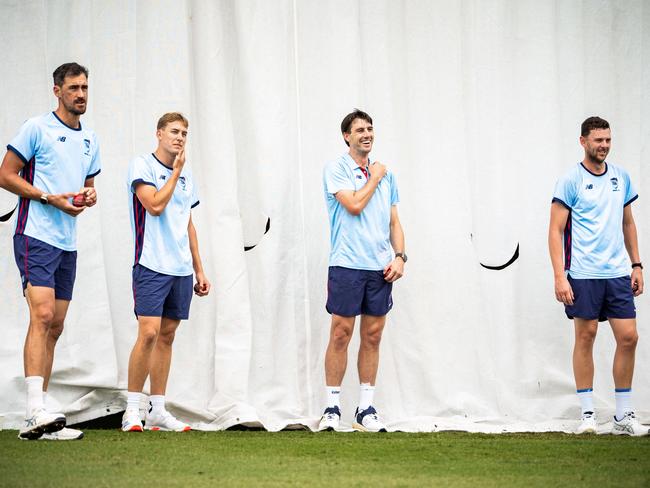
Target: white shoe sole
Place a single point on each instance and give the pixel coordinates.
(360, 428)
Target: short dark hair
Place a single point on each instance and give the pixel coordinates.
(68, 69)
(170, 117)
(593, 123)
(351, 117)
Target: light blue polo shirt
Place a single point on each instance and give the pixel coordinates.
(359, 241)
(594, 246)
(162, 243)
(58, 159)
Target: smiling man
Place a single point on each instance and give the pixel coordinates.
(591, 217)
(362, 204)
(162, 195)
(51, 165)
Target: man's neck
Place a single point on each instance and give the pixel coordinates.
(360, 158)
(594, 166)
(69, 119)
(164, 157)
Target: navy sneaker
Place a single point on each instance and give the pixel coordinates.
(368, 421)
(330, 419)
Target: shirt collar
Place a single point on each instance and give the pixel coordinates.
(352, 164)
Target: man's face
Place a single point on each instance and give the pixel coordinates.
(172, 137)
(360, 137)
(73, 94)
(597, 144)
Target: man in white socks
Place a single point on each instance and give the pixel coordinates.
(162, 195)
(51, 165)
(591, 218)
(364, 232)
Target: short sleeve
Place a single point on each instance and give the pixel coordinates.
(335, 178)
(565, 192)
(195, 192)
(96, 162)
(140, 172)
(25, 143)
(394, 192)
(630, 192)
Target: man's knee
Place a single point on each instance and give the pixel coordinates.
(371, 339)
(167, 338)
(341, 335)
(148, 336)
(628, 339)
(585, 336)
(42, 317)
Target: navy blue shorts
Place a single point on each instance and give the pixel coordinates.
(352, 292)
(601, 299)
(42, 264)
(160, 295)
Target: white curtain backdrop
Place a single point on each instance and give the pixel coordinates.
(477, 107)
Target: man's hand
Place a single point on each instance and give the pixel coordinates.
(563, 291)
(89, 196)
(202, 287)
(637, 281)
(394, 271)
(377, 170)
(179, 160)
(62, 202)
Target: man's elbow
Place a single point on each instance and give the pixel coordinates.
(355, 210)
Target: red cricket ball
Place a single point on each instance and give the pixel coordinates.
(79, 200)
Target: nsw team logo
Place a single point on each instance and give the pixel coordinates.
(86, 147)
(181, 180)
(614, 184)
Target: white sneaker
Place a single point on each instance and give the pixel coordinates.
(330, 419)
(368, 421)
(131, 420)
(164, 421)
(629, 425)
(41, 422)
(65, 434)
(588, 424)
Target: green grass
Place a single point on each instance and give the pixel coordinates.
(112, 458)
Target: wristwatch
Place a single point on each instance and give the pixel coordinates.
(43, 198)
(637, 265)
(401, 255)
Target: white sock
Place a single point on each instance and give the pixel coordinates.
(157, 404)
(333, 396)
(133, 400)
(34, 393)
(366, 394)
(623, 402)
(586, 397)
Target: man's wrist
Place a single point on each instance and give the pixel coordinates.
(401, 255)
(637, 265)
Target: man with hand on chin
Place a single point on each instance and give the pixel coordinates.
(46, 164)
(162, 195)
(365, 231)
(591, 217)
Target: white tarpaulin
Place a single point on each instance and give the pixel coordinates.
(477, 107)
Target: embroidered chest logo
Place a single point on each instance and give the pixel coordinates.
(181, 180)
(614, 184)
(61, 139)
(359, 177)
(590, 186)
(163, 177)
(86, 147)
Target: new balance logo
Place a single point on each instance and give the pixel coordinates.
(359, 177)
(61, 139)
(163, 177)
(589, 187)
